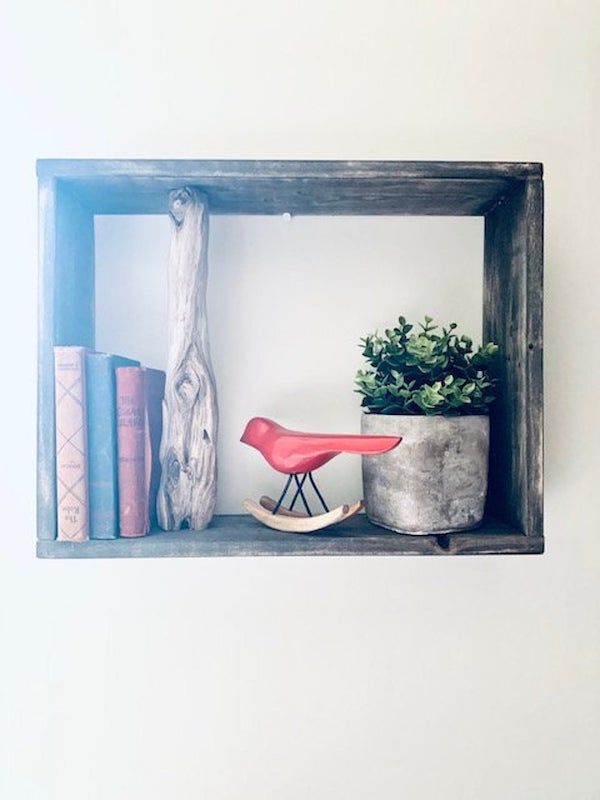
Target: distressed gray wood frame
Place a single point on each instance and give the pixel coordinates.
(509, 196)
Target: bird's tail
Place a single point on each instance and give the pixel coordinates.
(356, 443)
(371, 445)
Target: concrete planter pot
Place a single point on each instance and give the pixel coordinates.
(435, 481)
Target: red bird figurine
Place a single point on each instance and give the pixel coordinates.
(297, 455)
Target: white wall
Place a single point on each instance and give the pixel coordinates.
(334, 678)
(288, 303)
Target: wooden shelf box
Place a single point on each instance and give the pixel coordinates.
(508, 195)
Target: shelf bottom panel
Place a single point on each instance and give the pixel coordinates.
(242, 535)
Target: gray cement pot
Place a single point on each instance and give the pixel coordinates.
(435, 481)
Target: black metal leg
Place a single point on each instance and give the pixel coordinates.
(283, 494)
(318, 493)
(300, 484)
(300, 493)
(297, 493)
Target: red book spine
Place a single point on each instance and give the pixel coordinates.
(71, 444)
(131, 446)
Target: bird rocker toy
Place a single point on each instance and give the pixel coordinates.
(298, 455)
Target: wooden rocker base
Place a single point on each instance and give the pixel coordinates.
(295, 521)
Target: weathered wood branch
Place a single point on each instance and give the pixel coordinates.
(188, 487)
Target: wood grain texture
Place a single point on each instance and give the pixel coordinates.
(298, 187)
(510, 197)
(65, 317)
(188, 487)
(241, 535)
(513, 287)
(318, 196)
(46, 424)
(182, 168)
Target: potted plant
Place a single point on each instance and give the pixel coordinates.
(432, 388)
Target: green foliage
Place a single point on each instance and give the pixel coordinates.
(425, 372)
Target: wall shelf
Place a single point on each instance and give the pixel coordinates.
(510, 198)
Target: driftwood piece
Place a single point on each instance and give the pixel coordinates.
(188, 487)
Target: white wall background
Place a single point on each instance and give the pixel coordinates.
(288, 303)
(288, 678)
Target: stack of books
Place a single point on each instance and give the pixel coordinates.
(108, 430)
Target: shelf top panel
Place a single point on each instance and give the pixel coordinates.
(242, 535)
(447, 188)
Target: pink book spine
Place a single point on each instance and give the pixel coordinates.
(71, 444)
(132, 446)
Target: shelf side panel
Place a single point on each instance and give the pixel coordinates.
(66, 316)
(512, 312)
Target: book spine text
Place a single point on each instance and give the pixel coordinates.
(71, 444)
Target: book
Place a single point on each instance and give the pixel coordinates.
(71, 444)
(155, 392)
(139, 394)
(102, 443)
